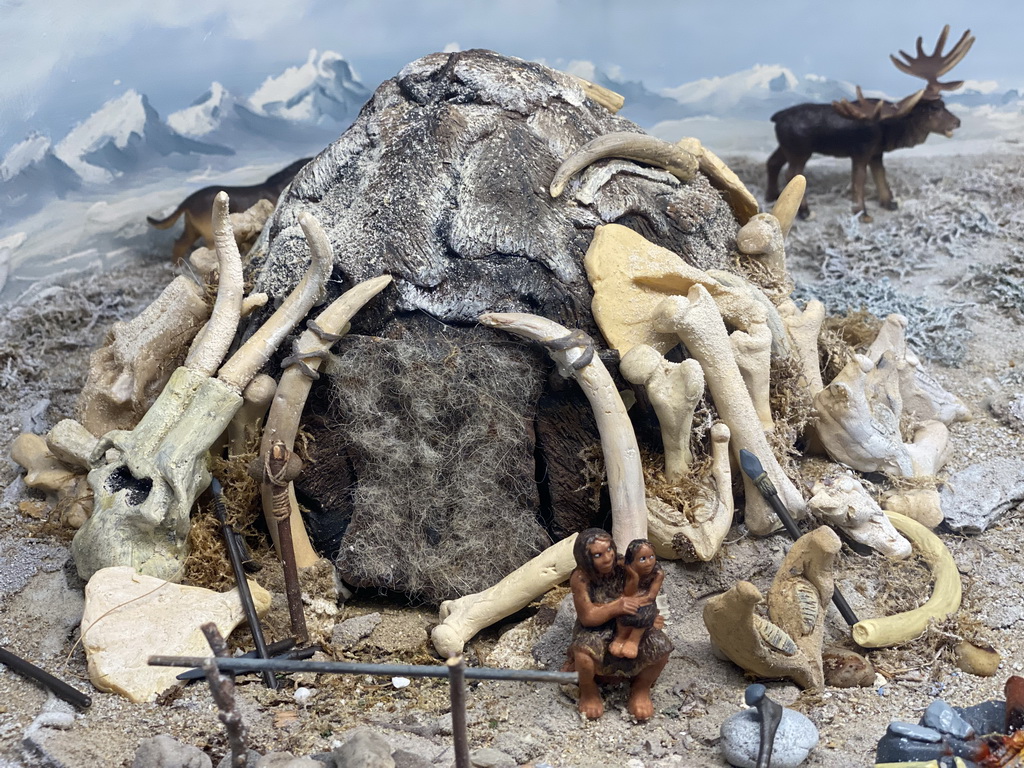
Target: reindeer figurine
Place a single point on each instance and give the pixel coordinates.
(863, 131)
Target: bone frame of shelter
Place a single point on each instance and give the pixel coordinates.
(629, 146)
(706, 527)
(462, 618)
(300, 370)
(763, 236)
(945, 598)
(752, 350)
(842, 501)
(695, 319)
(256, 400)
(803, 328)
(743, 204)
(144, 494)
(606, 97)
(674, 390)
(857, 417)
(574, 355)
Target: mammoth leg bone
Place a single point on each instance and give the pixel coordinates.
(698, 533)
(145, 481)
(461, 619)
(697, 322)
(674, 390)
(573, 352)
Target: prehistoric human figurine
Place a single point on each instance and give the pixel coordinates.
(643, 579)
(597, 584)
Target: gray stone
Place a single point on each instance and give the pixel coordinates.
(406, 759)
(551, 646)
(741, 738)
(977, 496)
(162, 751)
(941, 717)
(349, 632)
(915, 732)
(251, 758)
(365, 749)
(491, 758)
(287, 760)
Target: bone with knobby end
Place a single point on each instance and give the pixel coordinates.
(674, 390)
(945, 598)
(803, 328)
(255, 352)
(698, 324)
(461, 619)
(801, 592)
(214, 340)
(722, 177)
(842, 501)
(629, 146)
(290, 399)
(618, 441)
(923, 397)
(72, 443)
(921, 504)
(752, 350)
(698, 535)
(43, 470)
(788, 203)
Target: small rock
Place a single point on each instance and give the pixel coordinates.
(915, 732)
(977, 496)
(741, 739)
(406, 759)
(845, 668)
(365, 749)
(162, 751)
(941, 717)
(349, 632)
(287, 760)
(976, 658)
(491, 758)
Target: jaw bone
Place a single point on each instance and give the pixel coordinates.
(843, 502)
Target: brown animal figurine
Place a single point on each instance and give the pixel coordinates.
(597, 584)
(199, 204)
(865, 130)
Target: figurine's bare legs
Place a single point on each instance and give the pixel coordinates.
(590, 704)
(631, 645)
(640, 705)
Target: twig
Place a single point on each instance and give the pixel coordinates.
(222, 687)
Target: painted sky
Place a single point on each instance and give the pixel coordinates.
(63, 58)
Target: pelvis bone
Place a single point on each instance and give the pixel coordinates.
(146, 480)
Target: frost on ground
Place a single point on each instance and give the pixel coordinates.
(951, 259)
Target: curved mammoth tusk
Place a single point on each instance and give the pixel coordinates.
(215, 338)
(629, 146)
(293, 389)
(903, 627)
(243, 365)
(573, 351)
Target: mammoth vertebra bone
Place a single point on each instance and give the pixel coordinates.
(145, 481)
(843, 502)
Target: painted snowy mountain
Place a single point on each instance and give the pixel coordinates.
(324, 89)
(126, 135)
(31, 170)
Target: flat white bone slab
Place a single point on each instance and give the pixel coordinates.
(129, 617)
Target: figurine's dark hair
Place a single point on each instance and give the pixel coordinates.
(581, 550)
(635, 545)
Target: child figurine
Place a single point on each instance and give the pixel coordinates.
(643, 579)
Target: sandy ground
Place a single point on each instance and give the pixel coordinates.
(952, 258)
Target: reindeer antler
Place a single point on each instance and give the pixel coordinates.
(932, 67)
(876, 109)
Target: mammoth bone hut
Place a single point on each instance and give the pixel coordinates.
(490, 315)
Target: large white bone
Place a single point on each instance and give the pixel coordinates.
(145, 481)
(695, 320)
(461, 619)
(698, 533)
(803, 328)
(763, 236)
(574, 354)
(843, 502)
(753, 352)
(674, 390)
(923, 397)
(857, 417)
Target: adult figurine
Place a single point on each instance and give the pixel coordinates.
(597, 586)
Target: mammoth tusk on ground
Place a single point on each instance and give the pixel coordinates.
(293, 389)
(629, 146)
(903, 627)
(573, 351)
(463, 618)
